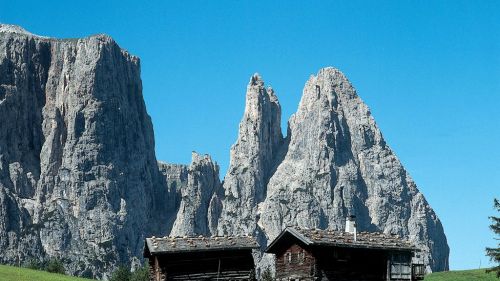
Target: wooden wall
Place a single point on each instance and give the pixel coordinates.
(351, 264)
(295, 262)
(156, 272)
(299, 262)
(224, 265)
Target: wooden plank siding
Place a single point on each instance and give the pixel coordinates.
(297, 263)
(200, 258)
(225, 265)
(327, 255)
(351, 264)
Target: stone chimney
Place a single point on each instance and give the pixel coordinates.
(350, 225)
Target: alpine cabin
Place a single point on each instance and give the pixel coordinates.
(200, 258)
(305, 254)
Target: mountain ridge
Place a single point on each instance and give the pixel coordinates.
(84, 177)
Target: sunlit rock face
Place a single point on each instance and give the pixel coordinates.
(253, 158)
(78, 174)
(194, 216)
(337, 164)
(333, 163)
(79, 179)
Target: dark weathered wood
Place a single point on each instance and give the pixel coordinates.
(350, 264)
(200, 258)
(299, 259)
(226, 275)
(418, 271)
(221, 264)
(296, 262)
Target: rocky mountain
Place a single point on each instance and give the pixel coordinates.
(194, 216)
(253, 159)
(333, 163)
(79, 179)
(337, 164)
(78, 173)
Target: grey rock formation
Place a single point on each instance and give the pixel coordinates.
(79, 178)
(176, 180)
(78, 173)
(194, 216)
(252, 161)
(333, 163)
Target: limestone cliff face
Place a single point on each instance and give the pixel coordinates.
(79, 178)
(176, 180)
(252, 161)
(78, 173)
(336, 163)
(194, 216)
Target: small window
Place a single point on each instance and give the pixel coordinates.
(400, 266)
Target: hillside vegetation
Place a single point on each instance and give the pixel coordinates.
(12, 273)
(462, 275)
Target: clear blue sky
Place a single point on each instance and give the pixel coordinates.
(429, 70)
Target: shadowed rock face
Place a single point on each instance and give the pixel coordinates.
(78, 174)
(195, 216)
(79, 178)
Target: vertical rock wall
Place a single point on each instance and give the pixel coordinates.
(333, 163)
(78, 173)
(194, 215)
(253, 158)
(79, 178)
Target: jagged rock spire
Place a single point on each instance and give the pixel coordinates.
(202, 182)
(79, 178)
(252, 159)
(337, 163)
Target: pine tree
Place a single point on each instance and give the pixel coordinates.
(494, 253)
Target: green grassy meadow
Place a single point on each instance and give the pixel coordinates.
(462, 275)
(12, 273)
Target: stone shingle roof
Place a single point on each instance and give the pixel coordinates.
(369, 240)
(158, 245)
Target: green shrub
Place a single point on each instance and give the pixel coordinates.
(267, 275)
(35, 264)
(140, 274)
(121, 274)
(55, 266)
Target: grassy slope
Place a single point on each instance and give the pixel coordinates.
(462, 275)
(12, 273)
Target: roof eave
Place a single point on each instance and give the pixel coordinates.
(364, 246)
(293, 232)
(203, 250)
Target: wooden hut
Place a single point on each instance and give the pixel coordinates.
(200, 258)
(305, 254)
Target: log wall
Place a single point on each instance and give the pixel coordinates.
(296, 263)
